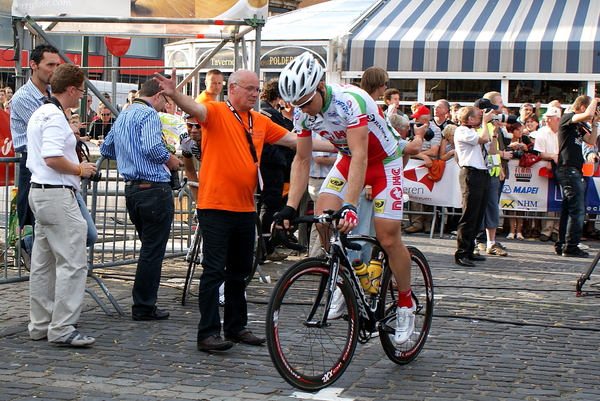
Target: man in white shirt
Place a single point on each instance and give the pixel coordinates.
(474, 180)
(58, 262)
(546, 142)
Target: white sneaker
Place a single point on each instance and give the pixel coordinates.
(222, 295)
(75, 339)
(405, 324)
(338, 304)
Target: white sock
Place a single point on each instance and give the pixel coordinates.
(490, 244)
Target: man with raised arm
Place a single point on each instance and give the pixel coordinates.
(232, 140)
(349, 118)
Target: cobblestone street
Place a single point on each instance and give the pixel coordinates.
(510, 328)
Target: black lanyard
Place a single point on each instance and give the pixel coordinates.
(247, 131)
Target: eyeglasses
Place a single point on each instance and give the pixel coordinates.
(193, 125)
(164, 97)
(105, 114)
(250, 89)
(74, 122)
(80, 90)
(306, 102)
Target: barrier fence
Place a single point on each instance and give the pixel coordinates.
(118, 243)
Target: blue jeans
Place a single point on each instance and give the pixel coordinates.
(573, 206)
(151, 209)
(228, 245)
(92, 232)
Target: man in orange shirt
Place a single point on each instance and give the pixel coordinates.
(228, 178)
(214, 86)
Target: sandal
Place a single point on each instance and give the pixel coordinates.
(510, 236)
(520, 237)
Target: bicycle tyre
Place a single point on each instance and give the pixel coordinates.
(307, 356)
(422, 288)
(257, 250)
(193, 263)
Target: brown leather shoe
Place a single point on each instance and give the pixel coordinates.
(245, 336)
(414, 229)
(213, 343)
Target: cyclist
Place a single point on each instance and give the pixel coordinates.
(349, 118)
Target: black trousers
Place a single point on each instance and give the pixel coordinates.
(475, 188)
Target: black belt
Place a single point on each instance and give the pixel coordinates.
(473, 169)
(318, 178)
(139, 182)
(48, 186)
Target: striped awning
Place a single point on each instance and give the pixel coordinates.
(511, 36)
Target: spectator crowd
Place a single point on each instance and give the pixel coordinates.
(229, 151)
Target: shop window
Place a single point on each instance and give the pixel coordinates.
(75, 43)
(146, 48)
(459, 90)
(545, 91)
(6, 32)
(407, 87)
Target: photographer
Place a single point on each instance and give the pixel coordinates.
(474, 179)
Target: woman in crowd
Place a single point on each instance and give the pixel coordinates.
(519, 144)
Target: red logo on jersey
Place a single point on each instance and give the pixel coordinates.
(396, 193)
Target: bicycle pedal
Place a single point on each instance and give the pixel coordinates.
(386, 328)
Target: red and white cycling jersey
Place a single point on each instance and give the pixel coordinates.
(350, 107)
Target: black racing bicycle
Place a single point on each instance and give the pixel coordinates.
(194, 259)
(311, 350)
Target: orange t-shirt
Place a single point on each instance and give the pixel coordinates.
(204, 97)
(228, 175)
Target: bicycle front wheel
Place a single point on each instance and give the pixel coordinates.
(194, 262)
(421, 284)
(306, 353)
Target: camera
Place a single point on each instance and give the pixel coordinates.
(517, 154)
(429, 134)
(505, 118)
(175, 183)
(97, 176)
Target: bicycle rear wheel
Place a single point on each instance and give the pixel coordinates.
(422, 288)
(258, 251)
(195, 260)
(308, 355)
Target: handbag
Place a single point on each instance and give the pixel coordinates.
(528, 160)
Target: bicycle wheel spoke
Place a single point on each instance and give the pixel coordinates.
(422, 288)
(308, 354)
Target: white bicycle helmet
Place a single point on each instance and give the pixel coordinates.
(300, 77)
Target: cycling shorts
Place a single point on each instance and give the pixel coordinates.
(385, 178)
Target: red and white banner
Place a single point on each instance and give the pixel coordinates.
(421, 189)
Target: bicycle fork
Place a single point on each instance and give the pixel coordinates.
(330, 285)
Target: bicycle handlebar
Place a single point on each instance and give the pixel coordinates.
(328, 216)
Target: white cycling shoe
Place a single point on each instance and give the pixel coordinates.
(338, 304)
(405, 324)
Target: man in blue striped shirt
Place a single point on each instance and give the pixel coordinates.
(136, 142)
(43, 61)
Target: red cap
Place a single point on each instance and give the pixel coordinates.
(421, 111)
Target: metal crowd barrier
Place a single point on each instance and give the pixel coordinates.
(118, 243)
(11, 265)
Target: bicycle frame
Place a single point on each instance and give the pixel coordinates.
(337, 254)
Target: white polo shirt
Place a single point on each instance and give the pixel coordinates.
(49, 135)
